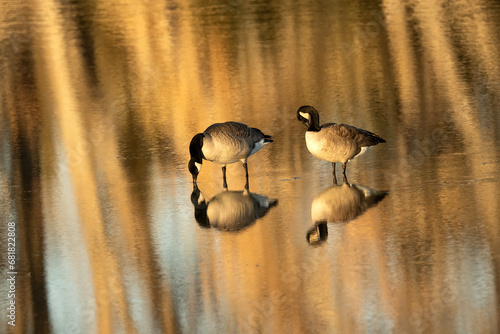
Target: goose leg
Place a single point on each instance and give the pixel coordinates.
(344, 165)
(334, 176)
(246, 174)
(224, 185)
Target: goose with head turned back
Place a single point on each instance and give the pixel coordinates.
(335, 142)
(340, 204)
(225, 143)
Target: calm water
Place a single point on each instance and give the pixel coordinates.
(99, 101)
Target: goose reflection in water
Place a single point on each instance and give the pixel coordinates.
(230, 210)
(340, 204)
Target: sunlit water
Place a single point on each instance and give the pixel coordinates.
(99, 101)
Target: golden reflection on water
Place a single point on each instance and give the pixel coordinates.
(100, 100)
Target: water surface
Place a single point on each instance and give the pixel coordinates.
(99, 101)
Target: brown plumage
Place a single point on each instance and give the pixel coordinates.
(335, 142)
(225, 143)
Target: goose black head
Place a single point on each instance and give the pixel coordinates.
(200, 207)
(196, 160)
(318, 234)
(310, 117)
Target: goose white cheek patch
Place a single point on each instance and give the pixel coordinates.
(303, 114)
(201, 199)
(198, 166)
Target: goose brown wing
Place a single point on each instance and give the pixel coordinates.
(233, 130)
(245, 133)
(360, 136)
(235, 134)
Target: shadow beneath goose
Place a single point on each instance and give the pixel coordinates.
(340, 204)
(230, 210)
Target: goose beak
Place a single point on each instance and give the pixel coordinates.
(194, 169)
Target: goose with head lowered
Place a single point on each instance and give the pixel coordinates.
(225, 143)
(335, 142)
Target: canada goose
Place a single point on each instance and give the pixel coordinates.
(225, 143)
(340, 204)
(230, 210)
(335, 142)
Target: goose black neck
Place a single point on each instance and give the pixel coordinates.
(314, 122)
(195, 148)
(200, 209)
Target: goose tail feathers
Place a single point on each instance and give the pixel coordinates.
(268, 139)
(370, 139)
